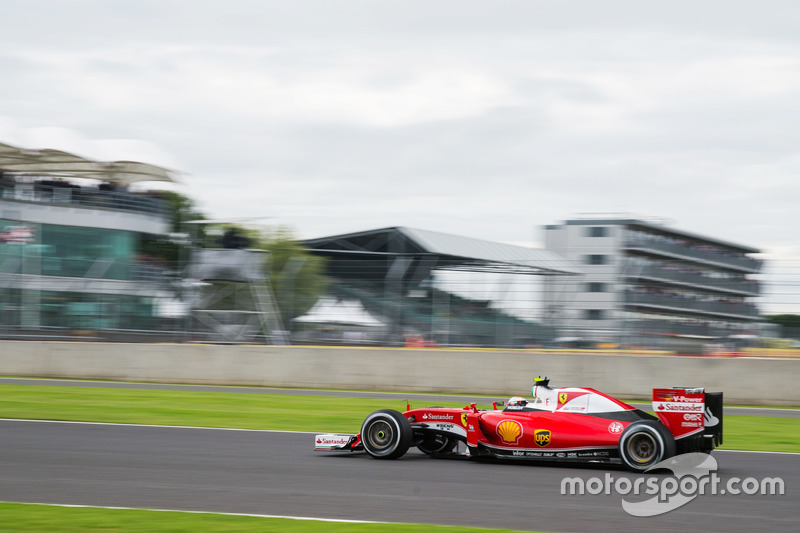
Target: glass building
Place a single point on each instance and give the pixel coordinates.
(70, 234)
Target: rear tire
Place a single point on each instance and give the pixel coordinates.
(386, 434)
(644, 444)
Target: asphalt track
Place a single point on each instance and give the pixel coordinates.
(401, 396)
(275, 473)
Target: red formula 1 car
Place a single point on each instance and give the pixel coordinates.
(555, 424)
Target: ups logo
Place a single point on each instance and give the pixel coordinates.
(541, 437)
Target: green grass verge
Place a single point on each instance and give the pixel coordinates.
(54, 519)
(193, 408)
(285, 412)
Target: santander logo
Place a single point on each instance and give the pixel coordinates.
(332, 441)
(679, 407)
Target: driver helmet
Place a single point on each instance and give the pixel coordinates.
(517, 401)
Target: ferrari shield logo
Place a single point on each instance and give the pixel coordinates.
(541, 437)
(562, 397)
(464, 419)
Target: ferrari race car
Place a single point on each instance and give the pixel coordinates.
(568, 424)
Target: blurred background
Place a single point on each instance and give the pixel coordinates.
(87, 253)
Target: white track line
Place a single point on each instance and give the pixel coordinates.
(314, 518)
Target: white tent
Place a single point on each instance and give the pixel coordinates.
(345, 312)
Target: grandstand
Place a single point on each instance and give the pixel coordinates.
(70, 233)
(393, 273)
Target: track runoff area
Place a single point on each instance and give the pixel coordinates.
(274, 474)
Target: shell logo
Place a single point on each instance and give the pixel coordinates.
(510, 431)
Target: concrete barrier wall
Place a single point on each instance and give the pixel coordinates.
(748, 381)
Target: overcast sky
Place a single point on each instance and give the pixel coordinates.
(485, 119)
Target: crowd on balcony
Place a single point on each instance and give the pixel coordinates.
(64, 191)
(644, 237)
(684, 268)
(659, 323)
(684, 296)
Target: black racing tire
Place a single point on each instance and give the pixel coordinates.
(436, 443)
(386, 434)
(644, 444)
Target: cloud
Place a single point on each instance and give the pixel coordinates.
(488, 121)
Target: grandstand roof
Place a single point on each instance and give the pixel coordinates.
(56, 163)
(444, 251)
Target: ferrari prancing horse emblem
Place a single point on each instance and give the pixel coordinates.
(464, 419)
(562, 397)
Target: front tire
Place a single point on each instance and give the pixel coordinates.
(644, 444)
(386, 434)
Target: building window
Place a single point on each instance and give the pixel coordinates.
(597, 231)
(595, 286)
(595, 259)
(594, 314)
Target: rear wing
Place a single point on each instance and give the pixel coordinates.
(693, 416)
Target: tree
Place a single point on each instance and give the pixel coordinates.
(789, 323)
(297, 276)
(181, 209)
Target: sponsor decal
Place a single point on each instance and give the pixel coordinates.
(558, 455)
(615, 428)
(710, 419)
(332, 440)
(562, 397)
(18, 234)
(464, 419)
(434, 416)
(445, 427)
(677, 407)
(518, 453)
(542, 437)
(693, 416)
(696, 399)
(509, 431)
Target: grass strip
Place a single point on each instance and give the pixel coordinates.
(20, 517)
(286, 412)
(193, 408)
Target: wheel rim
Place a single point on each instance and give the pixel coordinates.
(380, 435)
(642, 448)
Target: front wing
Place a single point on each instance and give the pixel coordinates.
(334, 441)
